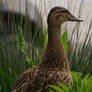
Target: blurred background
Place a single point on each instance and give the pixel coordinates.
(23, 36)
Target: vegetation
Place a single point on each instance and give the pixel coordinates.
(18, 55)
(80, 85)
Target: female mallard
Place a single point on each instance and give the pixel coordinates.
(55, 66)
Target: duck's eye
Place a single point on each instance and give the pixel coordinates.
(69, 16)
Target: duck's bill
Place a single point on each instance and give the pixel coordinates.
(73, 18)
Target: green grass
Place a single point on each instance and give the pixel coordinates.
(80, 84)
(81, 54)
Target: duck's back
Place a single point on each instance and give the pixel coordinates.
(34, 80)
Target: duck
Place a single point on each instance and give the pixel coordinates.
(55, 66)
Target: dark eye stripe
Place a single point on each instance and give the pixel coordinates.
(62, 11)
(59, 12)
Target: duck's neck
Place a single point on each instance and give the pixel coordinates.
(55, 56)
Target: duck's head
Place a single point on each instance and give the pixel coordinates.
(59, 15)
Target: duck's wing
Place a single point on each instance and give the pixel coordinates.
(24, 78)
(35, 80)
(41, 82)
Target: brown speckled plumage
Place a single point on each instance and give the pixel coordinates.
(55, 66)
